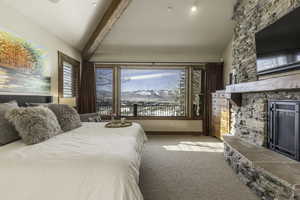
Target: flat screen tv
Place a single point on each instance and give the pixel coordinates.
(278, 45)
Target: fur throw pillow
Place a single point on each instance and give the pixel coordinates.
(67, 116)
(7, 130)
(34, 124)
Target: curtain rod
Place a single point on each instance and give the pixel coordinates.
(151, 63)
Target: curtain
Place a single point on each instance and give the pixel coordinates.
(87, 93)
(214, 82)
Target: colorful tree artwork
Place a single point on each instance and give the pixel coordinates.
(22, 66)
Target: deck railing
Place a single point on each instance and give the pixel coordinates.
(145, 110)
(104, 109)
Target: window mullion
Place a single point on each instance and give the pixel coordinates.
(189, 92)
(117, 90)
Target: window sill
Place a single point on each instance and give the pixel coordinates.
(156, 118)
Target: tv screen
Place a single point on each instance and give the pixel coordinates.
(278, 45)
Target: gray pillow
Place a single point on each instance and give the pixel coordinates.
(67, 116)
(8, 132)
(34, 124)
(90, 117)
(35, 104)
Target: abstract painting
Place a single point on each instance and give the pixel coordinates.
(22, 66)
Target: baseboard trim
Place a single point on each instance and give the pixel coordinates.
(174, 133)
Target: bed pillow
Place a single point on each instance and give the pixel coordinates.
(90, 117)
(34, 124)
(67, 116)
(8, 133)
(35, 104)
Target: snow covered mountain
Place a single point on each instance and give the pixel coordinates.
(149, 95)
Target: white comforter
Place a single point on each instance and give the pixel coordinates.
(89, 163)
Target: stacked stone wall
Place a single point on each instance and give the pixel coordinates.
(250, 120)
(264, 184)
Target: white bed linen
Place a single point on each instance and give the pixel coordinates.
(88, 163)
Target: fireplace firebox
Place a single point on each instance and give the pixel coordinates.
(283, 128)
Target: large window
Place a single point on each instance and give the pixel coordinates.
(69, 76)
(197, 92)
(173, 92)
(68, 80)
(153, 92)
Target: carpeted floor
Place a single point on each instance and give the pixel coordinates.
(188, 168)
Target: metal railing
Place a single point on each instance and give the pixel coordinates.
(104, 109)
(145, 110)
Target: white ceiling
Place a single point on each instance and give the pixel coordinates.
(70, 20)
(147, 31)
(148, 28)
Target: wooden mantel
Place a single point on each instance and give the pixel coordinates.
(291, 82)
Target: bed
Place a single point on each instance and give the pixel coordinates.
(88, 163)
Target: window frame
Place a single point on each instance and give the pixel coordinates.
(76, 65)
(191, 76)
(117, 89)
(114, 86)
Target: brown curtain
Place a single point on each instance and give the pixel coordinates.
(213, 82)
(87, 93)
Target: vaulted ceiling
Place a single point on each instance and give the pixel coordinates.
(167, 30)
(149, 30)
(73, 21)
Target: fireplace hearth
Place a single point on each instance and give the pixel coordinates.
(283, 128)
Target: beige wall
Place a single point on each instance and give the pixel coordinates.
(154, 56)
(19, 25)
(228, 60)
(171, 125)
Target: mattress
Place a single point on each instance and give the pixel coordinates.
(88, 163)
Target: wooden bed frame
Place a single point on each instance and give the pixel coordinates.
(23, 99)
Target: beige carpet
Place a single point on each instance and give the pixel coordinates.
(189, 168)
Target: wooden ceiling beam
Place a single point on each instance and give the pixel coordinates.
(111, 16)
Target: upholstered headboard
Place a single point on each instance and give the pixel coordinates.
(23, 99)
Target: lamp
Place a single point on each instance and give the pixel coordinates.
(72, 101)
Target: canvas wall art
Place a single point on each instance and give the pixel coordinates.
(22, 66)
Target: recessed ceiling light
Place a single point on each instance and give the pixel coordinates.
(94, 3)
(170, 8)
(194, 9)
(54, 1)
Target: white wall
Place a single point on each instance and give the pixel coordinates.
(154, 56)
(17, 24)
(228, 60)
(180, 126)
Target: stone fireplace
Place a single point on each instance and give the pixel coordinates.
(269, 173)
(250, 120)
(262, 165)
(283, 127)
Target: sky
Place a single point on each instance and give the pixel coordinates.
(143, 79)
